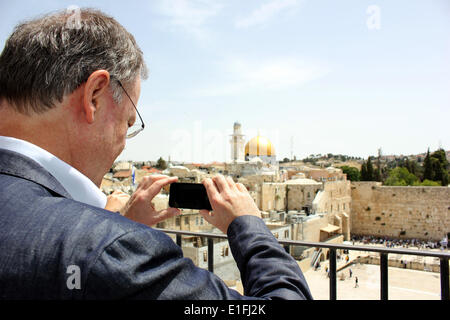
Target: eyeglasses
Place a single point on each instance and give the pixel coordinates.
(136, 127)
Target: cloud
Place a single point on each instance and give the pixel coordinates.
(269, 75)
(266, 12)
(189, 16)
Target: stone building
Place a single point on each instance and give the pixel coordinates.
(300, 194)
(335, 199)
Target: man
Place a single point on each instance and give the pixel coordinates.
(67, 103)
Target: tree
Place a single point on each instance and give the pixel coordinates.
(370, 172)
(435, 167)
(439, 166)
(364, 171)
(161, 164)
(400, 176)
(377, 174)
(427, 183)
(428, 170)
(352, 173)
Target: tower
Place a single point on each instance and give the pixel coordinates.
(237, 143)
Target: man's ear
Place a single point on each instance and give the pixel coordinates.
(94, 90)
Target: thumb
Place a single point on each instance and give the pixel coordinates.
(207, 215)
(166, 214)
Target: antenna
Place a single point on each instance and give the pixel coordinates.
(292, 146)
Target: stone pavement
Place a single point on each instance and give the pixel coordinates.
(404, 284)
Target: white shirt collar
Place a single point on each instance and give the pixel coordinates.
(80, 187)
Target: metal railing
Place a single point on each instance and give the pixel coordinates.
(384, 252)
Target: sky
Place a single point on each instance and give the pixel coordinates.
(314, 77)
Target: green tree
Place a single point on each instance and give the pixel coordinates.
(377, 174)
(352, 173)
(400, 176)
(161, 164)
(428, 169)
(427, 183)
(370, 171)
(439, 166)
(364, 171)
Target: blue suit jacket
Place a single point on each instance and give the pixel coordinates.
(53, 247)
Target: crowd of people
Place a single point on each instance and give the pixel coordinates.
(404, 243)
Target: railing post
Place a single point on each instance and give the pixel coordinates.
(444, 279)
(443, 256)
(211, 254)
(332, 274)
(384, 275)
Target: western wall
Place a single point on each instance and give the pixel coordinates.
(400, 212)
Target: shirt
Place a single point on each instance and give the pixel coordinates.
(80, 187)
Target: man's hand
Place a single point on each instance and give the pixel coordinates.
(229, 200)
(116, 201)
(140, 209)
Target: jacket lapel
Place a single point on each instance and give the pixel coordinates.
(16, 164)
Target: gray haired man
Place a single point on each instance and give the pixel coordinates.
(68, 101)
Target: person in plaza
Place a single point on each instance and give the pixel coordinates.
(68, 102)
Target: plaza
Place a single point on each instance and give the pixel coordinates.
(404, 284)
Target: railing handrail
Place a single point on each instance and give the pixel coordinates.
(414, 252)
(443, 257)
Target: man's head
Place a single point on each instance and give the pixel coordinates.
(48, 58)
(66, 74)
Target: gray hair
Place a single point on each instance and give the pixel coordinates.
(47, 58)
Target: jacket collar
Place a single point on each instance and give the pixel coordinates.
(18, 165)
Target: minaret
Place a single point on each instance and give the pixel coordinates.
(237, 143)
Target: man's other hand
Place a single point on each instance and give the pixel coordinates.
(116, 201)
(229, 200)
(140, 208)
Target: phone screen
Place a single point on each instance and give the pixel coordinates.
(189, 196)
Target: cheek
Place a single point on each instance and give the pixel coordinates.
(120, 138)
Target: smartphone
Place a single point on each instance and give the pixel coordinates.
(188, 196)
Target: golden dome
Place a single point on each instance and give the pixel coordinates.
(259, 146)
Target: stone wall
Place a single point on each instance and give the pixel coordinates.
(335, 198)
(301, 195)
(400, 212)
(273, 196)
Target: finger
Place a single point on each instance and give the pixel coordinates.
(166, 214)
(206, 215)
(241, 187)
(119, 194)
(157, 185)
(147, 181)
(211, 189)
(221, 183)
(231, 183)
